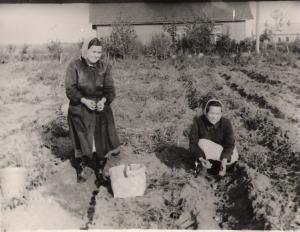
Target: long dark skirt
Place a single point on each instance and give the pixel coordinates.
(86, 125)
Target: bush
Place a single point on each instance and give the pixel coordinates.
(247, 45)
(122, 41)
(55, 49)
(198, 36)
(24, 52)
(225, 46)
(160, 46)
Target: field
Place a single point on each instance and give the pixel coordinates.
(155, 105)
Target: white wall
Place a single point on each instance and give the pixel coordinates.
(144, 32)
(236, 30)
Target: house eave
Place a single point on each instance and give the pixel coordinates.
(94, 26)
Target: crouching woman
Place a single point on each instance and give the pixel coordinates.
(212, 139)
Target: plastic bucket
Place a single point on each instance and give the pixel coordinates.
(128, 180)
(13, 183)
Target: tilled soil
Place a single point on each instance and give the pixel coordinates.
(153, 120)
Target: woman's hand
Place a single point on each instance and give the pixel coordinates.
(88, 103)
(100, 104)
(223, 167)
(205, 163)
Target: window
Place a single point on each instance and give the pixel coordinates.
(279, 39)
(287, 39)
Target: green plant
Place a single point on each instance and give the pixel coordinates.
(247, 45)
(198, 35)
(122, 42)
(160, 46)
(55, 49)
(225, 46)
(266, 35)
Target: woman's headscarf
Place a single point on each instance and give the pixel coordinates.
(85, 46)
(212, 100)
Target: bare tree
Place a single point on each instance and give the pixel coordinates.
(278, 22)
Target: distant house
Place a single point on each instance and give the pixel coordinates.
(148, 18)
(288, 33)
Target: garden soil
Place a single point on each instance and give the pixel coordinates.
(155, 105)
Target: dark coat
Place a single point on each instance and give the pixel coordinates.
(94, 83)
(220, 133)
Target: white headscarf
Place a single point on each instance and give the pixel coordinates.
(212, 100)
(85, 45)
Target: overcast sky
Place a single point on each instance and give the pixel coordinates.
(40, 23)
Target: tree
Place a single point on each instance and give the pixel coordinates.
(278, 22)
(265, 36)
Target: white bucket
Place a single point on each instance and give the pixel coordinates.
(128, 180)
(13, 183)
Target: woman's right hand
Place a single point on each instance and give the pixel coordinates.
(88, 103)
(205, 163)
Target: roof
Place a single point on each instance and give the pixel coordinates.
(164, 12)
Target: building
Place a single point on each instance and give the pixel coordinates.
(148, 18)
(287, 33)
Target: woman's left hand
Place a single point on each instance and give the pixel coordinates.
(100, 104)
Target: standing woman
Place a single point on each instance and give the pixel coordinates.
(90, 89)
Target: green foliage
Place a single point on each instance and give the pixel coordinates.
(198, 36)
(159, 46)
(247, 45)
(24, 49)
(266, 35)
(55, 49)
(172, 30)
(122, 41)
(225, 46)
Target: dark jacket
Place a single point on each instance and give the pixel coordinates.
(220, 133)
(93, 83)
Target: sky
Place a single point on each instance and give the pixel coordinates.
(41, 23)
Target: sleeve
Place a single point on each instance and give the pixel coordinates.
(228, 142)
(108, 86)
(193, 142)
(72, 92)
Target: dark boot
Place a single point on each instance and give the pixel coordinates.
(100, 177)
(79, 170)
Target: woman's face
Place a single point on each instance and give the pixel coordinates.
(94, 53)
(214, 114)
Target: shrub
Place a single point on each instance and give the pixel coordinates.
(198, 36)
(55, 49)
(122, 41)
(265, 36)
(160, 46)
(225, 45)
(247, 45)
(294, 46)
(24, 52)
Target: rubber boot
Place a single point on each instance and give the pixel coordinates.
(99, 167)
(79, 170)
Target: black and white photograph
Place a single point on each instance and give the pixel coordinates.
(149, 114)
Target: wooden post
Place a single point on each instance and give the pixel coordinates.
(257, 27)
